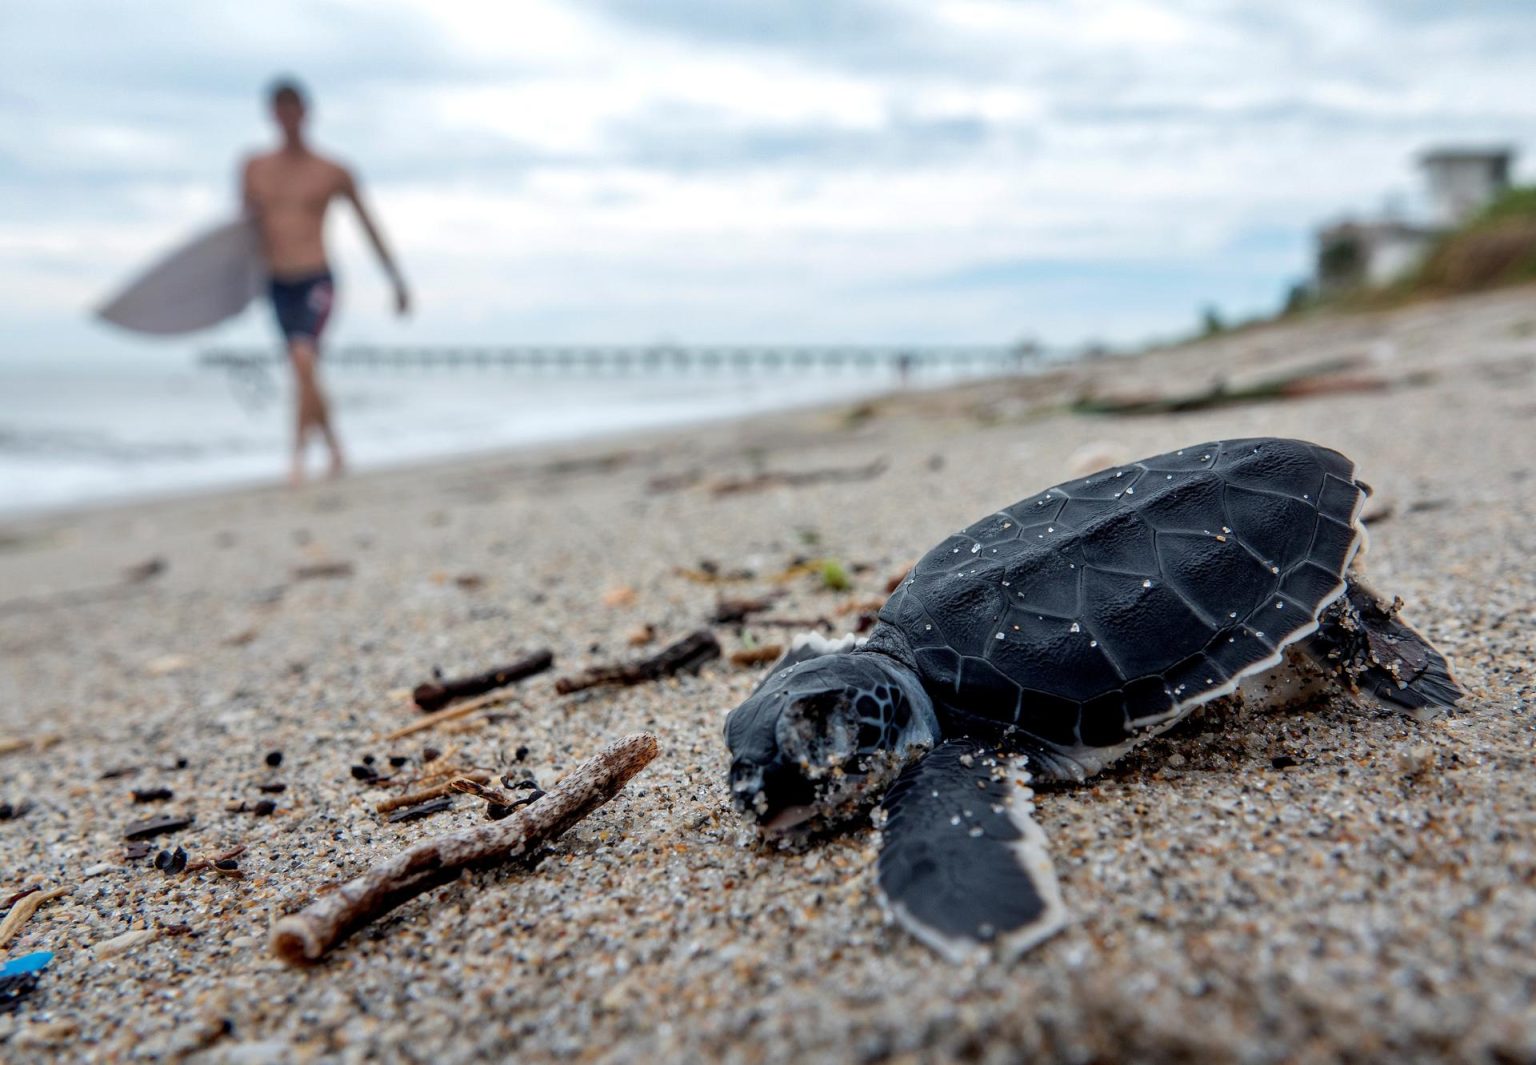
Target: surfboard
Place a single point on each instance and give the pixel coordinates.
(199, 284)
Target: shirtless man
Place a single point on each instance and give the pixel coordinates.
(287, 192)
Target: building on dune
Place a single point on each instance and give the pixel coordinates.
(1374, 252)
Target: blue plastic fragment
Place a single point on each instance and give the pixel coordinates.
(35, 962)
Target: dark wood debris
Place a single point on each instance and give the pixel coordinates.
(731, 611)
(685, 655)
(420, 810)
(154, 826)
(436, 694)
(799, 479)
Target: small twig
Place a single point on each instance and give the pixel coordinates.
(757, 656)
(689, 653)
(197, 865)
(321, 570)
(498, 803)
(481, 790)
(436, 694)
(40, 742)
(730, 611)
(23, 908)
(464, 709)
(384, 806)
(306, 936)
(794, 623)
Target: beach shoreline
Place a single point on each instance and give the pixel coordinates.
(72, 437)
(1250, 887)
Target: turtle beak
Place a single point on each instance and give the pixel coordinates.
(774, 798)
(787, 820)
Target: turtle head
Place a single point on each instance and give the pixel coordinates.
(820, 739)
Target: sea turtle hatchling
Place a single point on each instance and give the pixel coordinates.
(1050, 638)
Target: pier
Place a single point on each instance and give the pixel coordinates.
(901, 360)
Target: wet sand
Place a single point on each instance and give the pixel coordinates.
(1253, 886)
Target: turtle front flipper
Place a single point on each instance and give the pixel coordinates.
(962, 863)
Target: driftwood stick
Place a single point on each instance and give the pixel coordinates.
(436, 694)
(384, 806)
(24, 908)
(689, 653)
(306, 936)
(464, 709)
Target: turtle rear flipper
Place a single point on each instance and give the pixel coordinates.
(1364, 639)
(962, 863)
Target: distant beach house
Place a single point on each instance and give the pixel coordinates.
(1374, 252)
(1462, 181)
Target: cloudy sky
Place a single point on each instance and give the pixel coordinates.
(849, 170)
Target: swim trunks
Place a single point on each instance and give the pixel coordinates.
(302, 305)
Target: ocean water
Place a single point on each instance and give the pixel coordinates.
(73, 435)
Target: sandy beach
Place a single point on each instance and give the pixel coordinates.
(1337, 884)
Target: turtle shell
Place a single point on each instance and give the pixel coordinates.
(1112, 604)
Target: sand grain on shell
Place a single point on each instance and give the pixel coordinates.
(1376, 898)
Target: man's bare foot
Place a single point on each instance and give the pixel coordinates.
(296, 472)
(338, 465)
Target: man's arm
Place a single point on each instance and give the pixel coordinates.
(350, 191)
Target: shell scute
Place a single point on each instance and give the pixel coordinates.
(1036, 509)
(1103, 722)
(1071, 664)
(1049, 716)
(1045, 582)
(1184, 460)
(1107, 486)
(994, 529)
(1078, 513)
(1232, 651)
(1278, 528)
(989, 692)
(1309, 583)
(1284, 467)
(1338, 499)
(1148, 700)
(940, 669)
(1194, 676)
(1332, 544)
(1141, 628)
(972, 609)
(1204, 569)
(1333, 462)
(1123, 542)
(1193, 504)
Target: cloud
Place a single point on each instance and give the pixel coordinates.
(728, 170)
